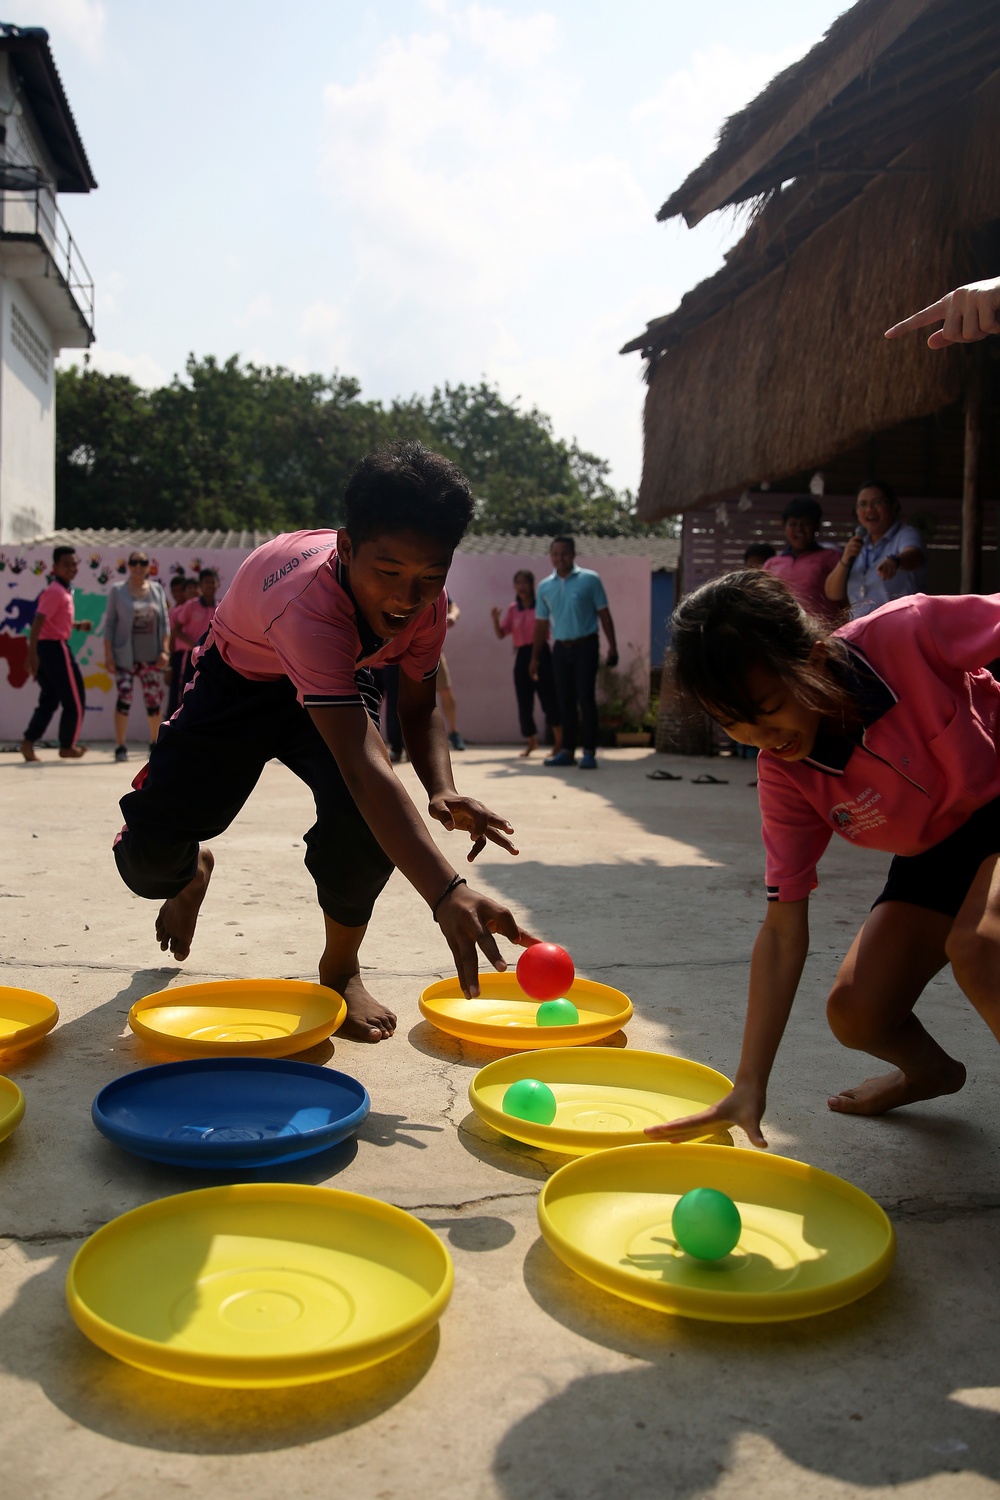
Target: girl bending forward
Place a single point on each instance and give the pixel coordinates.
(885, 732)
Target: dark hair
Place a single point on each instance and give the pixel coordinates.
(804, 507)
(178, 581)
(529, 575)
(758, 549)
(406, 487)
(566, 540)
(745, 620)
(879, 484)
(58, 553)
(208, 573)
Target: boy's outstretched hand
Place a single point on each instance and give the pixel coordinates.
(476, 820)
(967, 314)
(468, 920)
(742, 1106)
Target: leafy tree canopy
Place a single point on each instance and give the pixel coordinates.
(242, 446)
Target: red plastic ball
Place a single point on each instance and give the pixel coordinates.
(545, 971)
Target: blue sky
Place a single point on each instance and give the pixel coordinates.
(411, 191)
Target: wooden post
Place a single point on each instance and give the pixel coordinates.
(972, 505)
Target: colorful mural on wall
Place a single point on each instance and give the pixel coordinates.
(24, 573)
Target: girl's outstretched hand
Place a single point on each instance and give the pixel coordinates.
(468, 920)
(475, 819)
(742, 1106)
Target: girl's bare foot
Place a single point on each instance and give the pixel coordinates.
(876, 1096)
(178, 917)
(531, 745)
(367, 1019)
(72, 752)
(28, 751)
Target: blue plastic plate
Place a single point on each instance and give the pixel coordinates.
(230, 1111)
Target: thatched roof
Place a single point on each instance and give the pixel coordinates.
(777, 363)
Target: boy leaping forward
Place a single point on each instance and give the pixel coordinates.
(286, 672)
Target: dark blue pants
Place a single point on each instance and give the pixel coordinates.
(60, 683)
(204, 765)
(526, 687)
(574, 667)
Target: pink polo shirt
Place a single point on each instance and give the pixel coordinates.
(805, 574)
(56, 603)
(520, 624)
(926, 762)
(189, 621)
(288, 613)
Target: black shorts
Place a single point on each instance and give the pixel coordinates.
(939, 879)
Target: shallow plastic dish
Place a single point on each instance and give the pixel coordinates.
(259, 1284)
(605, 1096)
(25, 1015)
(811, 1242)
(239, 1017)
(504, 1016)
(230, 1111)
(11, 1107)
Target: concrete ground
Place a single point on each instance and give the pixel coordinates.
(536, 1386)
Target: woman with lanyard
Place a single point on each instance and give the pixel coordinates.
(883, 560)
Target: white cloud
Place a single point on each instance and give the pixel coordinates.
(325, 343)
(257, 311)
(680, 124)
(513, 41)
(142, 368)
(80, 22)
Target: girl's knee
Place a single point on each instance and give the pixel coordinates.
(850, 1018)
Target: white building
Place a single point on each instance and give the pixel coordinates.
(46, 292)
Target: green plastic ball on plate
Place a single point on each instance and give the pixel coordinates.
(557, 1013)
(528, 1099)
(706, 1223)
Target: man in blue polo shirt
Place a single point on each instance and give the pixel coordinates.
(573, 599)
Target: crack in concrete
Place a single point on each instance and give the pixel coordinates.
(938, 1211)
(463, 1203)
(49, 1236)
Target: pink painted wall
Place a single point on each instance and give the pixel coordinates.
(481, 666)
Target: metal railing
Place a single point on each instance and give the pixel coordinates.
(32, 213)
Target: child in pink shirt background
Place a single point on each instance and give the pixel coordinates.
(518, 621)
(52, 663)
(884, 732)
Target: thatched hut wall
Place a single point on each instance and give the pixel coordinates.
(796, 369)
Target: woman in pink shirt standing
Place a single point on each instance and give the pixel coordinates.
(885, 732)
(518, 621)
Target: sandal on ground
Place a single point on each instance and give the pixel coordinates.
(707, 779)
(663, 776)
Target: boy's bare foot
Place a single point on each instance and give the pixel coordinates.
(178, 917)
(367, 1019)
(876, 1096)
(71, 752)
(531, 745)
(27, 749)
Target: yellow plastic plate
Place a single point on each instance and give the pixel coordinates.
(25, 1015)
(261, 1284)
(811, 1242)
(11, 1107)
(239, 1017)
(605, 1096)
(504, 1016)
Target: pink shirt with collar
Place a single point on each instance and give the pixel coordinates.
(925, 765)
(805, 574)
(519, 624)
(55, 604)
(190, 620)
(287, 613)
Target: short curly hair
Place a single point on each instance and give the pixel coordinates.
(407, 487)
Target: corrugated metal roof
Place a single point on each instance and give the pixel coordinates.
(662, 552)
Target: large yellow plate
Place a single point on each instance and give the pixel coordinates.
(239, 1017)
(504, 1016)
(261, 1284)
(605, 1096)
(11, 1107)
(25, 1015)
(811, 1242)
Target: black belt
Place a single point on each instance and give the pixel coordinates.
(578, 640)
